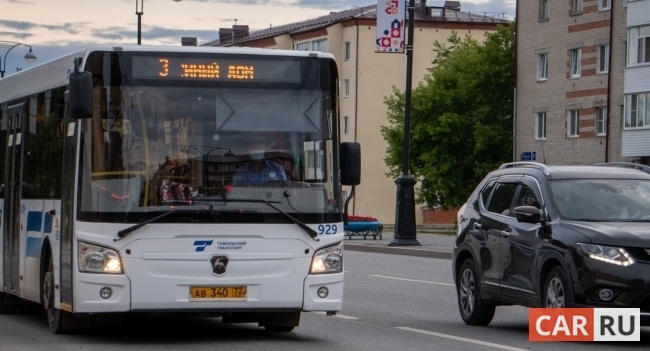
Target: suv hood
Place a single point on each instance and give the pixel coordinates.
(628, 234)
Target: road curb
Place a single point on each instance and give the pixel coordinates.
(399, 250)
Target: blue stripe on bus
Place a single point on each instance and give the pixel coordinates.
(33, 247)
(34, 221)
(47, 224)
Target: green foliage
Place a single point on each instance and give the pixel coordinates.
(461, 118)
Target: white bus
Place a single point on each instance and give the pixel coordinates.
(127, 185)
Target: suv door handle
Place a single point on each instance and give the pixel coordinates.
(505, 233)
(477, 225)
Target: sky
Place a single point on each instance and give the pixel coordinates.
(54, 28)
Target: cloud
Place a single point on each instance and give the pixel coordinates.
(21, 27)
(333, 4)
(495, 8)
(18, 25)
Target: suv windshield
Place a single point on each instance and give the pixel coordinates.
(607, 200)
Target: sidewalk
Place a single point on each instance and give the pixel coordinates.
(431, 245)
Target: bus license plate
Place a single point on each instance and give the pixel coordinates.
(218, 293)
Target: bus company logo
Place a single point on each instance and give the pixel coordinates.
(219, 264)
(201, 245)
(584, 324)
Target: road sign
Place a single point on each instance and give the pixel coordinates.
(529, 156)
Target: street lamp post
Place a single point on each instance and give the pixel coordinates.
(205, 157)
(139, 11)
(29, 57)
(139, 4)
(405, 233)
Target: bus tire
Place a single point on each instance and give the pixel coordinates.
(8, 304)
(55, 317)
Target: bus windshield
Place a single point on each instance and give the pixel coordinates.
(191, 141)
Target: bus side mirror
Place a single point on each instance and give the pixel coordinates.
(350, 163)
(81, 94)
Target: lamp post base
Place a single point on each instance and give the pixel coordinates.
(405, 233)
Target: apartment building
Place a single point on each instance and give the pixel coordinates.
(636, 122)
(571, 68)
(367, 77)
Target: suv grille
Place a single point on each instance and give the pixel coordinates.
(639, 254)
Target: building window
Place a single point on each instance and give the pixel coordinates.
(346, 88)
(345, 124)
(302, 46)
(542, 66)
(543, 10)
(601, 120)
(575, 63)
(603, 58)
(319, 45)
(316, 45)
(637, 110)
(604, 5)
(540, 126)
(346, 51)
(639, 45)
(573, 123)
(576, 7)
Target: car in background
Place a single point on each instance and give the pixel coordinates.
(554, 236)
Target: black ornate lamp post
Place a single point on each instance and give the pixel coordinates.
(29, 57)
(405, 233)
(139, 10)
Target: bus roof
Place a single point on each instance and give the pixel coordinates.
(54, 73)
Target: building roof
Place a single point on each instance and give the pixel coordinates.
(423, 13)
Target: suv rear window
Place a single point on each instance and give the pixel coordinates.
(502, 198)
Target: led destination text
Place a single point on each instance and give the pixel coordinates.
(216, 69)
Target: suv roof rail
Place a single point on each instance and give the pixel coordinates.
(639, 166)
(542, 167)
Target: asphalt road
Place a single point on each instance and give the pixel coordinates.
(392, 302)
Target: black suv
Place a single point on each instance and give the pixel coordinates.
(554, 236)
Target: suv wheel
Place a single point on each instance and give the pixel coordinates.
(557, 292)
(472, 308)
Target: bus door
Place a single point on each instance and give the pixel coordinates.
(15, 119)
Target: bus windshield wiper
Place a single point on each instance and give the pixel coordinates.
(126, 231)
(293, 219)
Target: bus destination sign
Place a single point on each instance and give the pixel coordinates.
(215, 69)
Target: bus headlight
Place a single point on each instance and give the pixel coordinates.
(97, 259)
(328, 260)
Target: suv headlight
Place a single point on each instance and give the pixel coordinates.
(97, 259)
(610, 254)
(328, 260)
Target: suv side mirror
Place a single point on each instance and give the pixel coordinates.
(528, 214)
(350, 163)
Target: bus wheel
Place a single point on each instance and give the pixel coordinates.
(54, 315)
(8, 304)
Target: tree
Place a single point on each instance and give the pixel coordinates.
(461, 118)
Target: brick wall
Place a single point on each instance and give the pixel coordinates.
(438, 218)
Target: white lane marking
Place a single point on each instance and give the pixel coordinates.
(342, 316)
(411, 280)
(458, 338)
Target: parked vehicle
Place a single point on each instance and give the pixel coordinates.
(554, 236)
